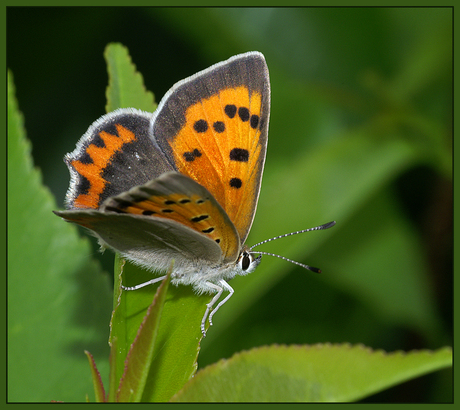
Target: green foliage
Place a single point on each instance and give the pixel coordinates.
(317, 373)
(126, 86)
(177, 336)
(359, 133)
(138, 361)
(58, 298)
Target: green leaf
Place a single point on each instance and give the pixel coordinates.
(177, 344)
(126, 86)
(139, 358)
(115, 363)
(58, 299)
(178, 339)
(99, 391)
(317, 373)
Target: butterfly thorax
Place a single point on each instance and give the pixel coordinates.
(198, 274)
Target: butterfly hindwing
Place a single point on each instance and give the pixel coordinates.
(172, 213)
(213, 126)
(148, 241)
(178, 198)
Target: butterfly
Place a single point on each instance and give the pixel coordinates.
(181, 184)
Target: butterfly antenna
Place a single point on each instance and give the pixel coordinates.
(316, 228)
(289, 260)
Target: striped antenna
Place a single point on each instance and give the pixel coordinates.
(316, 228)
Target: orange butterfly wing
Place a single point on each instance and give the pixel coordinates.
(174, 197)
(220, 139)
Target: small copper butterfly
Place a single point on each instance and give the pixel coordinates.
(182, 183)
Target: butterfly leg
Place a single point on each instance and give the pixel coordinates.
(210, 311)
(141, 285)
(209, 306)
(226, 286)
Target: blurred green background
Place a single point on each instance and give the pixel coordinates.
(360, 132)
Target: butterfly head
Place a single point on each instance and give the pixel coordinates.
(247, 261)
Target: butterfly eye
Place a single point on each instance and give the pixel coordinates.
(245, 261)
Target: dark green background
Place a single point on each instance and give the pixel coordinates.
(334, 71)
